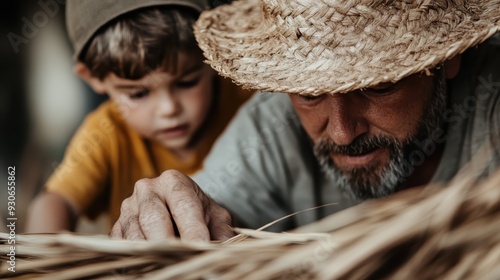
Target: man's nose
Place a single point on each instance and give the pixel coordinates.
(346, 120)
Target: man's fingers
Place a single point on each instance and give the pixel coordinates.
(189, 218)
(153, 216)
(155, 222)
(127, 226)
(173, 198)
(220, 223)
(116, 231)
(132, 231)
(186, 207)
(129, 231)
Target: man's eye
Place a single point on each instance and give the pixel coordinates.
(139, 94)
(382, 89)
(310, 98)
(188, 83)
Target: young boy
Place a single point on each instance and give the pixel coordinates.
(165, 110)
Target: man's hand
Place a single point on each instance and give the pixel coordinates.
(172, 200)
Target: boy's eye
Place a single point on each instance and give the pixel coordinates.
(139, 94)
(188, 83)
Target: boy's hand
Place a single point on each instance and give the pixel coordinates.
(156, 204)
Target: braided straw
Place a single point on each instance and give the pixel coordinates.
(438, 232)
(313, 47)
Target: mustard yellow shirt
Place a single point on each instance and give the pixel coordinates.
(106, 157)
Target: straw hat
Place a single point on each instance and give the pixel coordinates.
(335, 46)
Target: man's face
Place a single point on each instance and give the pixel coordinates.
(362, 138)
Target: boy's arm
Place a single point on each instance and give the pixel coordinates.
(78, 180)
(51, 212)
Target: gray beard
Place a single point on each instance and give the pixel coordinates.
(365, 183)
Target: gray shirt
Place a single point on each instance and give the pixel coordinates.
(263, 167)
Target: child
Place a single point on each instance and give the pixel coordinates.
(165, 110)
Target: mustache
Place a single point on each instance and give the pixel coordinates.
(359, 146)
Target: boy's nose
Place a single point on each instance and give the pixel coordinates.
(168, 106)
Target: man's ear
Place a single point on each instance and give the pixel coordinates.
(452, 66)
(84, 72)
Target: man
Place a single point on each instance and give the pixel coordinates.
(382, 97)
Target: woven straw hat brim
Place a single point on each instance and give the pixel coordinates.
(321, 47)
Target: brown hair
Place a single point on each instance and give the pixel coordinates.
(141, 41)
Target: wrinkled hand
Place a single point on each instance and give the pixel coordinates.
(172, 199)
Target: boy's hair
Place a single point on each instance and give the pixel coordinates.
(141, 41)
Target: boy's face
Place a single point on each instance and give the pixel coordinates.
(166, 108)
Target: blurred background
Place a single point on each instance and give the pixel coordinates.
(41, 101)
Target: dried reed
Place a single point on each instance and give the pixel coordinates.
(437, 232)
